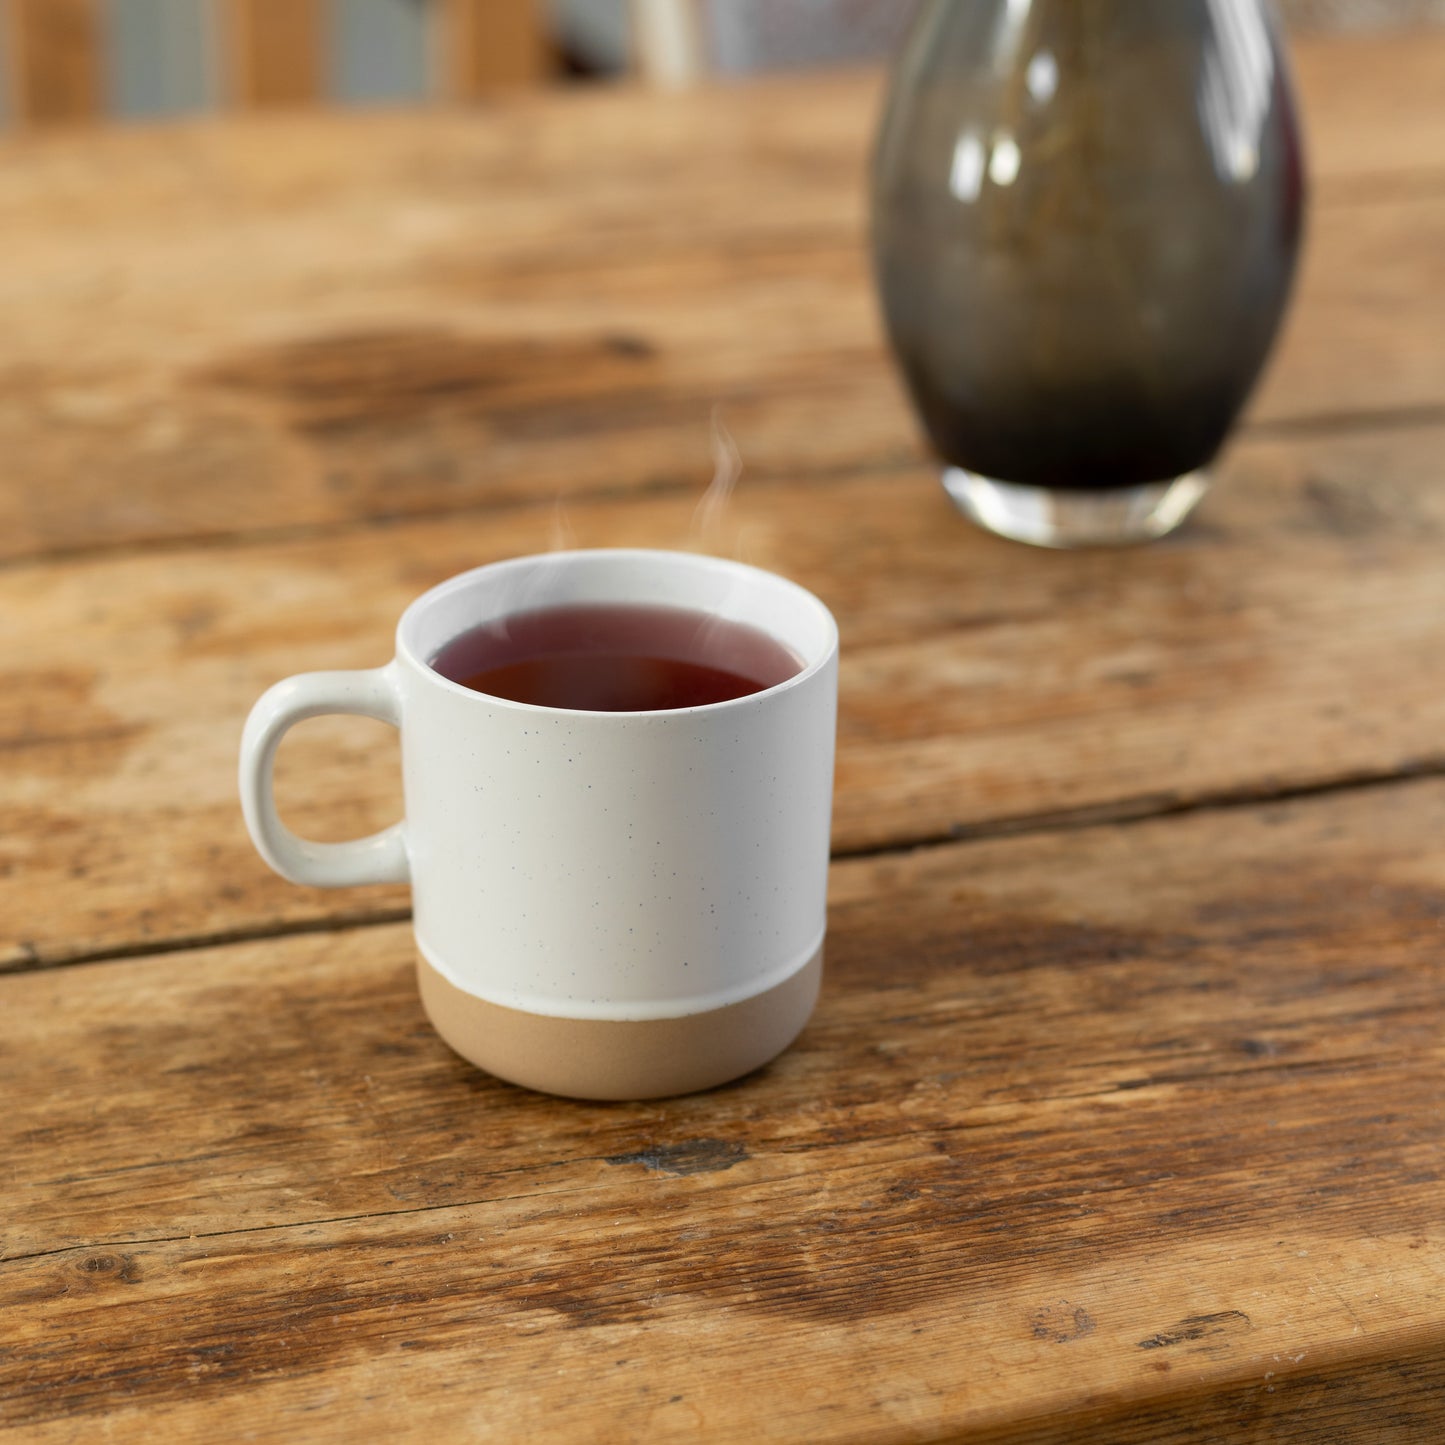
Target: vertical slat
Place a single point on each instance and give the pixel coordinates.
(378, 51)
(274, 51)
(483, 44)
(667, 39)
(5, 87)
(159, 57)
(55, 69)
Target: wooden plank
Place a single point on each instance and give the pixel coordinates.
(1355, 89)
(484, 45)
(274, 51)
(54, 53)
(426, 313)
(1292, 638)
(1136, 1127)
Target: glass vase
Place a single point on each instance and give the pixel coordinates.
(1086, 216)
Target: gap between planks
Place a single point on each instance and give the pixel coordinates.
(1119, 813)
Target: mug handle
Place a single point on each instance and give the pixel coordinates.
(380, 858)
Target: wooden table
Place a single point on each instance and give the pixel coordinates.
(1121, 1118)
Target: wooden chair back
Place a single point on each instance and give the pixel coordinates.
(262, 52)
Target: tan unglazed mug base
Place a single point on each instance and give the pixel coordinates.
(630, 1059)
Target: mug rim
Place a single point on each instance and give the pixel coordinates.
(703, 561)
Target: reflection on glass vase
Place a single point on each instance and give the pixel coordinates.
(1086, 215)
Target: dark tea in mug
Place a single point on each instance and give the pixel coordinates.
(598, 657)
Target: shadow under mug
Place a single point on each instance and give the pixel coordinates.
(606, 905)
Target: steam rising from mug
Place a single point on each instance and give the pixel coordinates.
(710, 513)
(707, 532)
(709, 516)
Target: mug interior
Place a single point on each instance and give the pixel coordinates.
(732, 591)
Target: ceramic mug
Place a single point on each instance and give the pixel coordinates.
(606, 905)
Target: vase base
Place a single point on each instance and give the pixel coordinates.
(1074, 517)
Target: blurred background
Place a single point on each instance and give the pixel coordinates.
(66, 60)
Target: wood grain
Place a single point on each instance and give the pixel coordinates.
(1370, 107)
(1120, 1117)
(1292, 638)
(273, 51)
(54, 60)
(484, 45)
(1136, 1127)
(313, 321)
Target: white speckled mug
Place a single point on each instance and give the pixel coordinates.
(607, 905)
